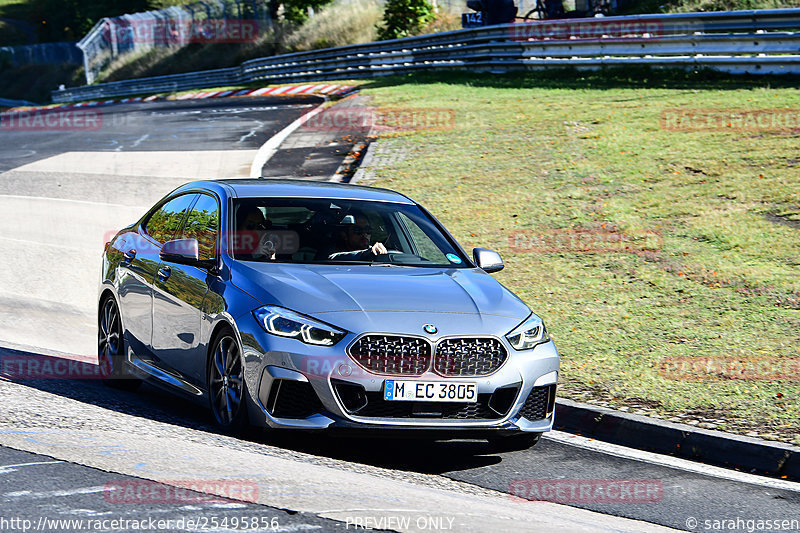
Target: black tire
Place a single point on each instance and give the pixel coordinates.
(514, 443)
(227, 391)
(111, 348)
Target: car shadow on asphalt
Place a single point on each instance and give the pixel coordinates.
(153, 403)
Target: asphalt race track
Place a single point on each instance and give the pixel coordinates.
(63, 191)
(181, 125)
(34, 485)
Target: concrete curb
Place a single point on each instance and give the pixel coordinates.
(366, 161)
(326, 90)
(682, 440)
(352, 161)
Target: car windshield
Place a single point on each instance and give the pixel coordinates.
(326, 231)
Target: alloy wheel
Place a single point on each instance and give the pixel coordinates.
(109, 343)
(227, 381)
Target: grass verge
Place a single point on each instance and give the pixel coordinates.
(338, 24)
(572, 156)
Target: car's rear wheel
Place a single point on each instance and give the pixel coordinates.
(111, 348)
(226, 386)
(514, 443)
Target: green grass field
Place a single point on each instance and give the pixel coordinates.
(714, 265)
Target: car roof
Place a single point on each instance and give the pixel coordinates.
(288, 188)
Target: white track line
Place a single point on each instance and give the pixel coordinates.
(38, 198)
(5, 469)
(669, 461)
(47, 244)
(56, 493)
(269, 148)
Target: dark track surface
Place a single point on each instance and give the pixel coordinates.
(214, 124)
(54, 495)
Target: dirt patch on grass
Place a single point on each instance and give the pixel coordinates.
(792, 220)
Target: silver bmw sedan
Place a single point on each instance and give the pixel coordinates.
(317, 306)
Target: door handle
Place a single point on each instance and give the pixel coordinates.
(164, 273)
(130, 255)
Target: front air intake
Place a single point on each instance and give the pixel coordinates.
(292, 399)
(540, 403)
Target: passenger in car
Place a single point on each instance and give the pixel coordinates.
(353, 240)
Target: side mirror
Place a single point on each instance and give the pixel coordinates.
(182, 251)
(488, 260)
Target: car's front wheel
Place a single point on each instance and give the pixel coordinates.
(111, 348)
(226, 386)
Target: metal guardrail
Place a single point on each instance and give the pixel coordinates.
(755, 42)
(157, 84)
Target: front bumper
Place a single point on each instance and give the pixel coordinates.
(295, 385)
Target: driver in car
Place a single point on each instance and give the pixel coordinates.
(354, 240)
(251, 220)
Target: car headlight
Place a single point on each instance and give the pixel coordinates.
(287, 323)
(528, 334)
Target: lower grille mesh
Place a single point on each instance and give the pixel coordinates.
(293, 399)
(539, 403)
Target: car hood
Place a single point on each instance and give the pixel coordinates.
(359, 297)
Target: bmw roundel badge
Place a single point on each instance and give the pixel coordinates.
(430, 328)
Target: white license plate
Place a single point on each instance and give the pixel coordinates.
(430, 391)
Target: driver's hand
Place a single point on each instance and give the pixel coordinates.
(378, 248)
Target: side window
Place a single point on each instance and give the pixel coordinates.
(425, 246)
(163, 224)
(202, 223)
